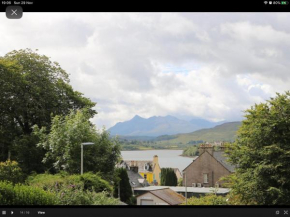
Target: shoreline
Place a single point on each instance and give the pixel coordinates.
(181, 155)
(188, 156)
(166, 149)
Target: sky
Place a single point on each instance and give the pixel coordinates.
(189, 65)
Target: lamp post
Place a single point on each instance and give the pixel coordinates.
(82, 155)
(184, 176)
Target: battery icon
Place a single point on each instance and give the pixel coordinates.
(284, 2)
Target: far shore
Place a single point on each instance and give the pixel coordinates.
(151, 149)
(181, 155)
(188, 156)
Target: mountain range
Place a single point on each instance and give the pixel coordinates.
(158, 125)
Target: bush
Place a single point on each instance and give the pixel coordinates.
(24, 195)
(87, 181)
(86, 189)
(209, 199)
(10, 171)
(47, 182)
(76, 195)
(95, 182)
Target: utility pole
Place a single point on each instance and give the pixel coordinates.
(82, 155)
(184, 173)
(119, 191)
(82, 159)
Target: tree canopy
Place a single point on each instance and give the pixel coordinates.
(262, 154)
(32, 90)
(63, 144)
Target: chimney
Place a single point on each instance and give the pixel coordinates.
(155, 159)
(206, 147)
(134, 169)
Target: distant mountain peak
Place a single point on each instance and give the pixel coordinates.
(136, 117)
(158, 125)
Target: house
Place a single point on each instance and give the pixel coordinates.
(185, 191)
(135, 179)
(164, 196)
(208, 168)
(149, 170)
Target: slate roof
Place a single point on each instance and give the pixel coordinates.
(168, 195)
(135, 179)
(219, 156)
(141, 165)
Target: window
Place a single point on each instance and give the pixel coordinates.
(145, 176)
(205, 178)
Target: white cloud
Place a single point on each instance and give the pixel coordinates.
(206, 65)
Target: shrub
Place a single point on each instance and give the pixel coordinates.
(76, 195)
(87, 181)
(86, 189)
(95, 182)
(10, 171)
(209, 199)
(24, 195)
(47, 182)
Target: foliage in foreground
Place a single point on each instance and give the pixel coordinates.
(77, 195)
(10, 171)
(87, 181)
(66, 195)
(262, 153)
(32, 90)
(24, 195)
(209, 199)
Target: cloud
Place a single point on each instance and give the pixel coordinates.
(207, 65)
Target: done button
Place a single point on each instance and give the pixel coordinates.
(14, 12)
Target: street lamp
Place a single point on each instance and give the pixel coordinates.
(82, 155)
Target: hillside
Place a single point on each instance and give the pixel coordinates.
(223, 132)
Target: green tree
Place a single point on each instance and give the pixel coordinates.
(32, 89)
(262, 154)
(191, 151)
(10, 171)
(122, 181)
(63, 144)
(168, 177)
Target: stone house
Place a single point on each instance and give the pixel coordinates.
(208, 168)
